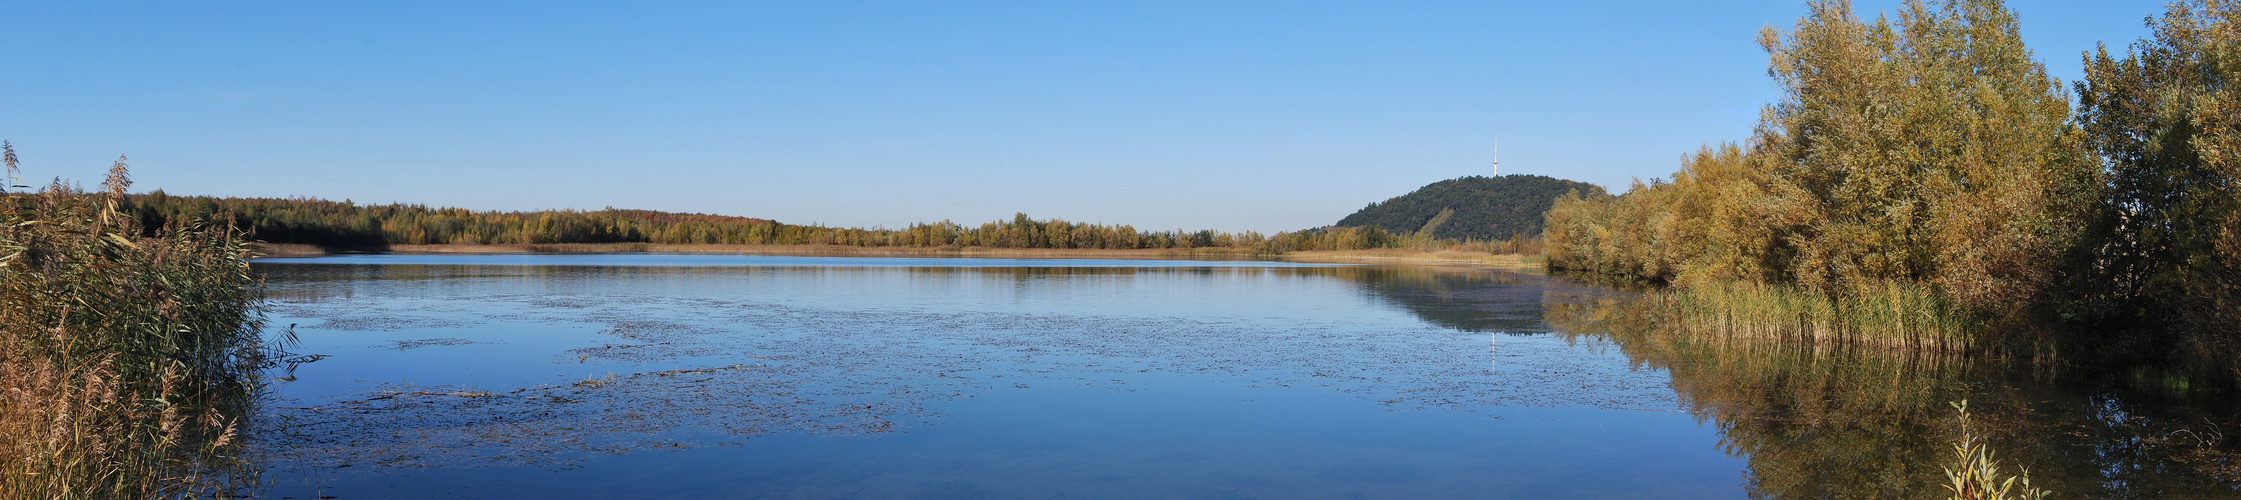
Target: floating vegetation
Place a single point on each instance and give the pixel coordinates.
(383, 323)
(681, 360)
(416, 344)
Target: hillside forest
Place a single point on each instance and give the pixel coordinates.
(1478, 208)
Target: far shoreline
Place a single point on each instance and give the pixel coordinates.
(1379, 256)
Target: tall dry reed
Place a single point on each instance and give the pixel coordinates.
(1894, 314)
(129, 356)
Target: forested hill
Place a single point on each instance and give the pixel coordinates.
(1486, 208)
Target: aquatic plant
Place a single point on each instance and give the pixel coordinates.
(1893, 314)
(1976, 475)
(128, 361)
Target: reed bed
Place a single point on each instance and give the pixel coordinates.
(129, 356)
(1891, 314)
(1800, 410)
(1745, 378)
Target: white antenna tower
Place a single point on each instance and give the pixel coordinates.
(1497, 157)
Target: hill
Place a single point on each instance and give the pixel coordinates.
(1484, 208)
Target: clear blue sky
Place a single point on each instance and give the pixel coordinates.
(1190, 114)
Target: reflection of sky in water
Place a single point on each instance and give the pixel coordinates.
(958, 378)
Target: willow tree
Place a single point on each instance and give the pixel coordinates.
(1936, 151)
(2164, 116)
(1931, 151)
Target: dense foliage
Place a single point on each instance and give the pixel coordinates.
(1482, 208)
(126, 362)
(1934, 155)
(351, 226)
(2166, 117)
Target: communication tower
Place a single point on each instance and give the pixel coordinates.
(1497, 157)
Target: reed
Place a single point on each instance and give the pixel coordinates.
(1813, 419)
(1889, 314)
(128, 361)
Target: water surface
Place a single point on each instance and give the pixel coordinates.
(662, 376)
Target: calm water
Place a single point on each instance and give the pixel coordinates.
(665, 376)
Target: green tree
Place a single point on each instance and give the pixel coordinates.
(2163, 117)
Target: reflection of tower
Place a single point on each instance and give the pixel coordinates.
(1493, 351)
(1497, 157)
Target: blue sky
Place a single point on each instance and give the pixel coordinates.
(1193, 114)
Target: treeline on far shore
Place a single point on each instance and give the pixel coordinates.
(349, 226)
(1924, 182)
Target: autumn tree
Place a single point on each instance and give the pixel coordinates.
(1927, 151)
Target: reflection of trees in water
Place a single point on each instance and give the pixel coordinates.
(1470, 300)
(1851, 423)
(1462, 299)
(316, 282)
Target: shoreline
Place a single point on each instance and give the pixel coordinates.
(1385, 256)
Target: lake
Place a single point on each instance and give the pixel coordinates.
(725, 376)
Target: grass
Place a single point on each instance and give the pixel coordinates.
(129, 357)
(1897, 315)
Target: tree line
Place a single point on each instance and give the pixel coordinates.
(347, 225)
(1933, 154)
